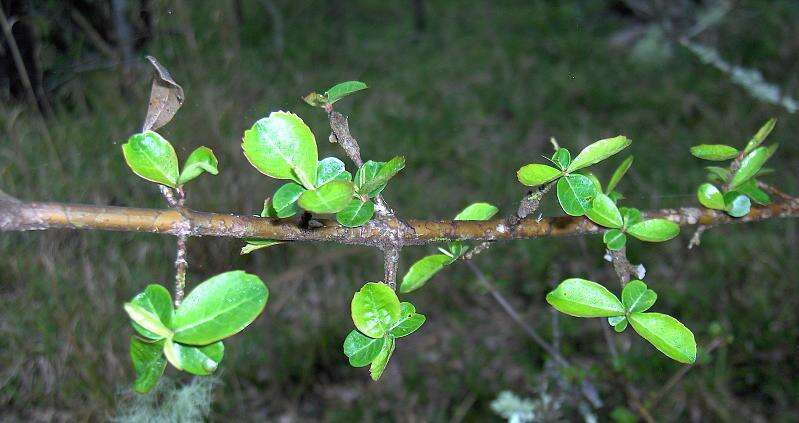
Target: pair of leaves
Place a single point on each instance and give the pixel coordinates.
(153, 158)
(189, 337)
(604, 212)
(424, 269)
(735, 203)
(334, 93)
(381, 318)
(583, 298)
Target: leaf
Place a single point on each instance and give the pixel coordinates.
(714, 152)
(421, 271)
(575, 193)
(562, 158)
(356, 213)
(618, 174)
(751, 164)
(366, 173)
(537, 174)
(736, 204)
(152, 157)
(756, 194)
(200, 160)
(604, 212)
(268, 210)
(147, 320)
(630, 215)
(343, 89)
(614, 239)
(619, 323)
(155, 299)
(720, 173)
(201, 361)
(599, 151)
(331, 197)
(374, 308)
(283, 147)
(477, 211)
(594, 180)
(710, 197)
(654, 230)
(760, 136)
(314, 99)
(408, 322)
(637, 298)
(148, 363)
(667, 334)
(166, 97)
(219, 307)
(583, 298)
(328, 169)
(381, 361)
(373, 180)
(256, 244)
(284, 202)
(362, 350)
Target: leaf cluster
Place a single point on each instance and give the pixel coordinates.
(153, 158)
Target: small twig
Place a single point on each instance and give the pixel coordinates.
(528, 205)
(622, 266)
(696, 239)
(774, 190)
(341, 135)
(391, 257)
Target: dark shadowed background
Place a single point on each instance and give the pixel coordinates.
(468, 91)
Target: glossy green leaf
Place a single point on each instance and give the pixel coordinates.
(365, 173)
(637, 298)
(594, 180)
(356, 213)
(421, 271)
(381, 361)
(719, 174)
(760, 136)
(147, 320)
(654, 230)
(575, 194)
(710, 197)
(200, 160)
(156, 300)
(152, 157)
(455, 249)
(343, 89)
(736, 204)
(283, 147)
(604, 212)
(408, 322)
(537, 174)
(751, 164)
(562, 158)
(583, 298)
(374, 179)
(284, 202)
(328, 169)
(148, 363)
(618, 174)
(374, 308)
(219, 307)
(614, 239)
(754, 193)
(197, 360)
(599, 151)
(268, 210)
(619, 323)
(714, 152)
(477, 211)
(331, 197)
(630, 215)
(256, 244)
(667, 334)
(361, 349)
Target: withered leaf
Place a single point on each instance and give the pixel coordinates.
(166, 97)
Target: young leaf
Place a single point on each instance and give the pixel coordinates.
(751, 164)
(284, 202)
(714, 152)
(654, 230)
(328, 169)
(421, 271)
(381, 361)
(219, 307)
(372, 184)
(331, 197)
(315, 99)
(256, 244)
(374, 308)
(366, 173)
(148, 363)
(619, 323)
(575, 193)
(667, 334)
(536, 174)
(760, 136)
(152, 157)
(562, 158)
(710, 197)
(599, 151)
(156, 300)
(618, 174)
(614, 239)
(583, 298)
(630, 215)
(719, 173)
(356, 213)
(283, 147)
(201, 361)
(477, 211)
(637, 298)
(756, 194)
(604, 212)
(268, 210)
(362, 350)
(736, 204)
(594, 180)
(147, 320)
(408, 322)
(341, 90)
(200, 160)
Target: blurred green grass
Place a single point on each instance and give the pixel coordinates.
(468, 101)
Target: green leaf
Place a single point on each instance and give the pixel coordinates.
(616, 196)
(268, 210)
(341, 90)
(618, 174)
(155, 299)
(599, 151)
(356, 213)
(710, 197)
(614, 239)
(760, 136)
(604, 212)
(594, 180)
(421, 271)
(372, 180)
(148, 363)
(381, 361)
(200, 160)
(283, 147)
(148, 321)
(536, 174)
(284, 202)
(152, 157)
(219, 307)
(619, 323)
(756, 194)
(583, 298)
(637, 298)
(477, 211)
(408, 322)
(667, 334)
(736, 204)
(654, 230)
(575, 193)
(751, 164)
(315, 99)
(361, 349)
(714, 152)
(328, 169)
(374, 308)
(562, 158)
(256, 244)
(197, 360)
(630, 215)
(331, 197)
(719, 173)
